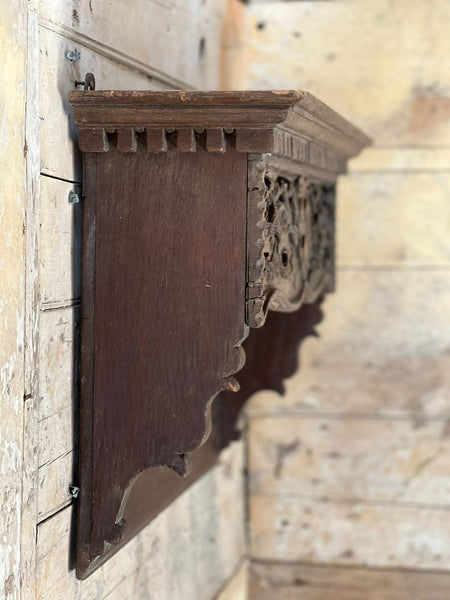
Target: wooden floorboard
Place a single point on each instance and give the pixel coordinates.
(287, 581)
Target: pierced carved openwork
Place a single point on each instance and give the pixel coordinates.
(291, 240)
(202, 211)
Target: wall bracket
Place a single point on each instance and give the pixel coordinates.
(202, 211)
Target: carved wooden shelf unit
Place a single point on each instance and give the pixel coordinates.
(202, 211)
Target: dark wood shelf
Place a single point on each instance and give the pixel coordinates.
(202, 212)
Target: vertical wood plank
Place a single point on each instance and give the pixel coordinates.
(31, 330)
(13, 36)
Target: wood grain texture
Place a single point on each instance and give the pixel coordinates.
(112, 53)
(29, 506)
(383, 352)
(400, 103)
(271, 353)
(13, 314)
(190, 302)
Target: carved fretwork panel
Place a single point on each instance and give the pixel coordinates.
(202, 211)
(290, 232)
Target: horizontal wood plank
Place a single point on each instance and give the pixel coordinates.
(56, 436)
(303, 582)
(383, 349)
(59, 358)
(403, 101)
(418, 387)
(258, 592)
(368, 207)
(401, 159)
(60, 243)
(292, 528)
(54, 479)
(390, 460)
(58, 398)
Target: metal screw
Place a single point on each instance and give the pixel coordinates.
(74, 491)
(73, 55)
(74, 198)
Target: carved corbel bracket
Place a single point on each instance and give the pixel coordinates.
(202, 211)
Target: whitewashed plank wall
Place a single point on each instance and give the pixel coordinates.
(351, 466)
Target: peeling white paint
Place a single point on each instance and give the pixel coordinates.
(11, 458)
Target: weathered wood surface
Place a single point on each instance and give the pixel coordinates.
(181, 26)
(378, 378)
(415, 199)
(414, 388)
(237, 587)
(59, 357)
(60, 254)
(383, 398)
(398, 368)
(388, 460)
(404, 101)
(313, 529)
(275, 344)
(155, 563)
(31, 326)
(275, 581)
(60, 156)
(13, 206)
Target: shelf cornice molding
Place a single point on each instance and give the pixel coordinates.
(290, 123)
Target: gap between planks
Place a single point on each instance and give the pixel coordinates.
(346, 416)
(308, 581)
(55, 511)
(60, 304)
(396, 268)
(49, 176)
(351, 501)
